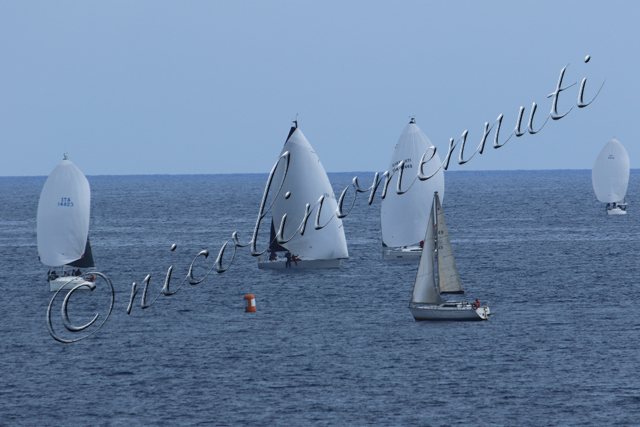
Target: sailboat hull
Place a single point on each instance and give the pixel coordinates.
(305, 264)
(616, 211)
(450, 311)
(408, 252)
(67, 283)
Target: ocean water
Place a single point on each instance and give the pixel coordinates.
(334, 347)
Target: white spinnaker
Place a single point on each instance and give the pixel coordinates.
(448, 277)
(63, 215)
(424, 289)
(610, 174)
(404, 217)
(307, 180)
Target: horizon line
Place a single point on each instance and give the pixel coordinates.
(267, 173)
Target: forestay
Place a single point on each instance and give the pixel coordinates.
(404, 217)
(610, 174)
(63, 215)
(306, 181)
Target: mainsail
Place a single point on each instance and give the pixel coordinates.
(448, 277)
(424, 289)
(610, 174)
(273, 242)
(87, 259)
(63, 216)
(306, 181)
(404, 217)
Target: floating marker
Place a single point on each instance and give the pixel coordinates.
(251, 303)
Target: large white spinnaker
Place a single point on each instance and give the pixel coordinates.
(424, 288)
(610, 174)
(306, 181)
(404, 217)
(63, 215)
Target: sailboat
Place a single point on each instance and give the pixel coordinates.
(63, 225)
(305, 182)
(610, 177)
(426, 300)
(403, 218)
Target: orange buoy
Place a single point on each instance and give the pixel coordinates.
(251, 303)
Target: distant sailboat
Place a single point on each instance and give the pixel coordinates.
(610, 177)
(63, 224)
(403, 218)
(305, 182)
(426, 302)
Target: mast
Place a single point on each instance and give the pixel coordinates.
(436, 242)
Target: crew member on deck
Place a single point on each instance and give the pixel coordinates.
(288, 257)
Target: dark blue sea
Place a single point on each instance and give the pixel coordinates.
(332, 347)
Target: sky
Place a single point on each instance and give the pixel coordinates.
(211, 87)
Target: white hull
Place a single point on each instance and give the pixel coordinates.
(449, 311)
(616, 211)
(67, 283)
(307, 263)
(407, 252)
